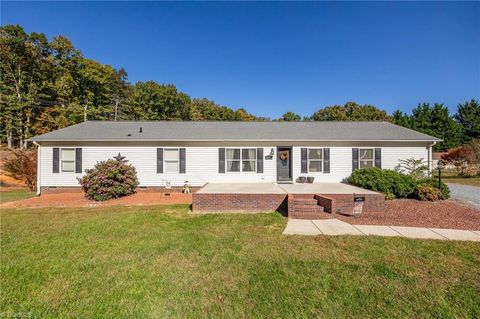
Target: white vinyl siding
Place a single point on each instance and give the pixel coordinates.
(202, 163)
(341, 160)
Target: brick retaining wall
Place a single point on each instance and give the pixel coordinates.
(239, 202)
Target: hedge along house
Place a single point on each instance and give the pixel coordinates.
(167, 154)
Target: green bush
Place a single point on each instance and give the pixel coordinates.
(393, 184)
(428, 192)
(434, 182)
(109, 179)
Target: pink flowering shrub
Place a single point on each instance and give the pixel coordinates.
(109, 179)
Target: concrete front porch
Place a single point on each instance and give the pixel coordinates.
(274, 188)
(304, 201)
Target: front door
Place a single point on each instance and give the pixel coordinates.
(284, 164)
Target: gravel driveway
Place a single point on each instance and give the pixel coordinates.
(465, 193)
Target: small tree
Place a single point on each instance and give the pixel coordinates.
(460, 157)
(110, 179)
(414, 167)
(22, 165)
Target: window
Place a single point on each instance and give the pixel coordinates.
(249, 159)
(67, 156)
(315, 160)
(171, 160)
(366, 157)
(241, 160)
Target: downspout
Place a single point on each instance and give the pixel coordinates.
(38, 166)
(430, 159)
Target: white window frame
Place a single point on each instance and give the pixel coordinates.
(165, 161)
(315, 160)
(241, 160)
(62, 160)
(366, 160)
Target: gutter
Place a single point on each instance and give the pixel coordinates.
(222, 140)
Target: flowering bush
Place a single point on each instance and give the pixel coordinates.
(427, 192)
(445, 191)
(109, 179)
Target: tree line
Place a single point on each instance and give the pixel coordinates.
(48, 84)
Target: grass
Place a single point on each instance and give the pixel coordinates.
(161, 262)
(15, 194)
(449, 176)
(472, 181)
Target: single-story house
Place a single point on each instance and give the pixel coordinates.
(166, 154)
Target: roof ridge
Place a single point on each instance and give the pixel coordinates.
(211, 121)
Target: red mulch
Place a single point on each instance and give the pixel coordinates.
(77, 199)
(414, 213)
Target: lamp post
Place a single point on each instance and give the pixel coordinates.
(440, 167)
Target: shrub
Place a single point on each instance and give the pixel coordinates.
(392, 184)
(109, 179)
(434, 182)
(22, 165)
(428, 192)
(414, 167)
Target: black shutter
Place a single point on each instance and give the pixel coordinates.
(304, 160)
(182, 161)
(56, 160)
(160, 160)
(259, 160)
(221, 160)
(378, 157)
(78, 160)
(326, 160)
(354, 158)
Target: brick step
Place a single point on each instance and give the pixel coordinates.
(309, 208)
(305, 201)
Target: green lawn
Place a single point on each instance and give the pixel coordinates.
(16, 194)
(160, 262)
(472, 181)
(450, 176)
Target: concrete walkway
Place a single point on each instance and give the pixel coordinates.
(333, 227)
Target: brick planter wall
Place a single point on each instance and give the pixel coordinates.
(326, 202)
(343, 203)
(239, 202)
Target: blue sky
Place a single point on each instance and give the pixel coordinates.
(273, 57)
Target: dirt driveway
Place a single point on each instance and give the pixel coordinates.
(79, 200)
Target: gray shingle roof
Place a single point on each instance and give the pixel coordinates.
(233, 131)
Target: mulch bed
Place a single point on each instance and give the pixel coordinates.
(77, 199)
(414, 213)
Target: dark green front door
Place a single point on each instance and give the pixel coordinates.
(284, 164)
